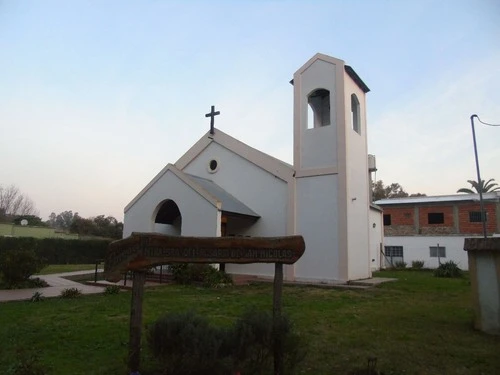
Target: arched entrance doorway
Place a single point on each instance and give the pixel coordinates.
(168, 218)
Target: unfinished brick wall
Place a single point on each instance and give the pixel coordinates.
(447, 227)
(466, 227)
(402, 221)
(455, 215)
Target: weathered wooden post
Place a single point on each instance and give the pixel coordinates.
(134, 345)
(141, 251)
(277, 319)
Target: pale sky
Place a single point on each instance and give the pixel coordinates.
(96, 97)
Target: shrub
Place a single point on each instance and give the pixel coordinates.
(112, 289)
(36, 297)
(448, 269)
(199, 273)
(417, 264)
(18, 265)
(214, 278)
(26, 363)
(36, 282)
(30, 283)
(58, 250)
(70, 293)
(400, 264)
(185, 343)
(254, 340)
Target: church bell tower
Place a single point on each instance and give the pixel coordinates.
(331, 170)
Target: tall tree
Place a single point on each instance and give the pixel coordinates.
(62, 220)
(100, 226)
(13, 202)
(484, 187)
(394, 190)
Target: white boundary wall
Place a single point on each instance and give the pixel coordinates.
(417, 248)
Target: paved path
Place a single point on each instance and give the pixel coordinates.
(57, 283)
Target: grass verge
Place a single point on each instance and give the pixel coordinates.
(418, 325)
(60, 268)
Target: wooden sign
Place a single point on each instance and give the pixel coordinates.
(142, 251)
(146, 250)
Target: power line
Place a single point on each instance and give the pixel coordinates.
(485, 123)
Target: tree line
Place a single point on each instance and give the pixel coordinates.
(395, 190)
(16, 206)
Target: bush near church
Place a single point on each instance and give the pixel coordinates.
(58, 251)
(16, 266)
(448, 269)
(189, 273)
(187, 344)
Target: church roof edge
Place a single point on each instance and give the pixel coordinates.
(184, 177)
(347, 68)
(490, 196)
(269, 163)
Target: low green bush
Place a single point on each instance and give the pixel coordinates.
(112, 289)
(417, 264)
(400, 265)
(16, 266)
(31, 283)
(26, 363)
(71, 293)
(186, 344)
(200, 274)
(214, 278)
(58, 250)
(253, 341)
(448, 269)
(37, 297)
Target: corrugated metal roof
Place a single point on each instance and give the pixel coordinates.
(439, 198)
(229, 203)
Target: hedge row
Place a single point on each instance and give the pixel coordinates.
(57, 250)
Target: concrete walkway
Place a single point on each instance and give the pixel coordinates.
(57, 284)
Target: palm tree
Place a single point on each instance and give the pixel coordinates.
(487, 187)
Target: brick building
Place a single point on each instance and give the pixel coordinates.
(433, 228)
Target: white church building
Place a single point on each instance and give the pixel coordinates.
(223, 187)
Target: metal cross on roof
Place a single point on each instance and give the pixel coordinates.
(212, 114)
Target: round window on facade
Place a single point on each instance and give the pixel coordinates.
(213, 166)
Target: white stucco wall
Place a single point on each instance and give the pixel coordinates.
(199, 217)
(264, 193)
(417, 248)
(358, 200)
(317, 221)
(376, 234)
(317, 146)
(488, 290)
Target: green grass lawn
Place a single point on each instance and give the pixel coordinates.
(418, 325)
(60, 268)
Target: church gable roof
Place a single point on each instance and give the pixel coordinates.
(183, 177)
(276, 167)
(228, 202)
(212, 192)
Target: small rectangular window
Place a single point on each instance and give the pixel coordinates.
(394, 251)
(475, 216)
(387, 219)
(434, 251)
(435, 218)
